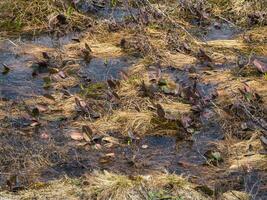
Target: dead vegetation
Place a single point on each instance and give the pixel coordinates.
(180, 86)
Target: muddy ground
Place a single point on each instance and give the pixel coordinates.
(136, 93)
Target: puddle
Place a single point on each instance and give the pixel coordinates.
(217, 31)
(50, 41)
(221, 31)
(117, 14)
(105, 10)
(18, 83)
(182, 78)
(100, 69)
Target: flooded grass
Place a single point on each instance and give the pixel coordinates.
(82, 118)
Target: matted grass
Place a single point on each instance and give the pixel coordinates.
(106, 185)
(19, 16)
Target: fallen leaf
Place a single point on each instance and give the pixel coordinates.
(62, 74)
(76, 135)
(261, 66)
(160, 111)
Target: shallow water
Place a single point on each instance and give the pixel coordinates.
(101, 69)
(224, 32)
(18, 83)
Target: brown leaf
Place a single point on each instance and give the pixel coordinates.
(76, 135)
(261, 66)
(111, 84)
(160, 111)
(87, 129)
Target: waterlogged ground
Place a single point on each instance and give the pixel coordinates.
(62, 116)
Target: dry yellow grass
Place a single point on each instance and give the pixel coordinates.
(110, 186)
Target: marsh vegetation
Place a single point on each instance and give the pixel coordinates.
(133, 99)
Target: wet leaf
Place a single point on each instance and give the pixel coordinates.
(76, 135)
(261, 66)
(6, 69)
